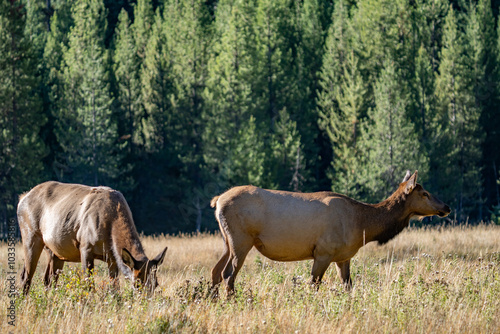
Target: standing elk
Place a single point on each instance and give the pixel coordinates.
(323, 226)
(78, 223)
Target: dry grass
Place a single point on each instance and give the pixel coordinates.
(424, 281)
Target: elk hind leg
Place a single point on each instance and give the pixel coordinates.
(33, 247)
(219, 267)
(238, 253)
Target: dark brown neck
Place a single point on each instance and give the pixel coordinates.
(386, 219)
(125, 235)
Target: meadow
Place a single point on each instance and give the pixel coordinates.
(426, 280)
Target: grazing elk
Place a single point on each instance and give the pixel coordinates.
(78, 223)
(323, 226)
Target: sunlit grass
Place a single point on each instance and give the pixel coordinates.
(434, 280)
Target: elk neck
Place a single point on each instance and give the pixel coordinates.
(124, 234)
(383, 221)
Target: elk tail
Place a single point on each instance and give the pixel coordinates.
(213, 202)
(22, 195)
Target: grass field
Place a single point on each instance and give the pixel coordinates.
(425, 281)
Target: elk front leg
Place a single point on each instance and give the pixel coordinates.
(54, 266)
(87, 257)
(344, 272)
(113, 274)
(319, 268)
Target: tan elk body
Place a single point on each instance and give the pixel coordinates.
(323, 226)
(78, 223)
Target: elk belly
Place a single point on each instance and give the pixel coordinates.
(283, 251)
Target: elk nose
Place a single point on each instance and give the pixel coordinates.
(445, 212)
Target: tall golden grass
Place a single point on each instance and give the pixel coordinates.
(443, 280)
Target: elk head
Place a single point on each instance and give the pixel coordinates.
(144, 272)
(419, 201)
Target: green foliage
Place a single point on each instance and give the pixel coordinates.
(389, 140)
(288, 163)
(428, 18)
(425, 115)
(459, 111)
(126, 70)
(143, 25)
(36, 27)
(188, 31)
(495, 215)
(228, 95)
(156, 92)
(273, 60)
(85, 126)
(341, 101)
(249, 155)
(309, 40)
(21, 148)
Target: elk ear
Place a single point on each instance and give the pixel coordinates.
(411, 183)
(128, 259)
(159, 258)
(407, 176)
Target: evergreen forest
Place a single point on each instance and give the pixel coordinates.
(175, 101)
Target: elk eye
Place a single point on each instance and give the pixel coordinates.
(426, 195)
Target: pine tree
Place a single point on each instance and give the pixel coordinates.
(129, 110)
(86, 128)
(276, 88)
(383, 32)
(35, 27)
(311, 34)
(157, 137)
(274, 59)
(341, 101)
(287, 168)
(228, 93)
(424, 96)
(142, 27)
(156, 90)
(429, 25)
(187, 28)
(132, 41)
(460, 138)
(37, 31)
(347, 157)
(478, 59)
(250, 156)
(447, 90)
(126, 65)
(491, 124)
(57, 41)
(21, 148)
(389, 138)
(487, 97)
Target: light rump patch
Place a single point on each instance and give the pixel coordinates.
(324, 226)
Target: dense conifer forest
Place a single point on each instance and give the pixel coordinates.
(172, 102)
